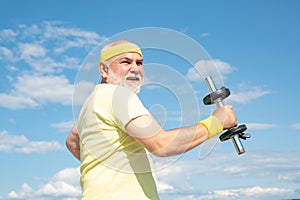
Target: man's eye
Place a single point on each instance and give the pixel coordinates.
(125, 62)
(139, 63)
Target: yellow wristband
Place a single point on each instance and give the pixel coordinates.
(213, 125)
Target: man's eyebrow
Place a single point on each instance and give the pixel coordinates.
(127, 58)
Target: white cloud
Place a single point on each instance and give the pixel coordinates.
(54, 36)
(7, 35)
(258, 126)
(295, 126)
(178, 178)
(34, 90)
(21, 144)
(215, 68)
(61, 35)
(16, 102)
(31, 50)
(53, 89)
(267, 168)
(69, 37)
(290, 177)
(69, 175)
(63, 126)
(56, 29)
(12, 68)
(31, 31)
(43, 82)
(245, 95)
(35, 55)
(8, 142)
(26, 189)
(58, 188)
(218, 70)
(204, 34)
(6, 53)
(63, 185)
(164, 187)
(234, 169)
(38, 147)
(36, 58)
(255, 192)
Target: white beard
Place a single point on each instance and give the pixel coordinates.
(135, 87)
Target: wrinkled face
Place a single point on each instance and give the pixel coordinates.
(127, 70)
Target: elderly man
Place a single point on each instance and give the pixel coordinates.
(115, 131)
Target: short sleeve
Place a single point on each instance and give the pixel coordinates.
(126, 106)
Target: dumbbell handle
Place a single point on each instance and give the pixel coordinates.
(212, 88)
(235, 139)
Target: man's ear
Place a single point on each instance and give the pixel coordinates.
(103, 69)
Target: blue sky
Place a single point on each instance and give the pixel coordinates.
(253, 44)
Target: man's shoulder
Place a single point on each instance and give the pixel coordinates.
(116, 91)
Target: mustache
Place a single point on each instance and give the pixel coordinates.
(133, 76)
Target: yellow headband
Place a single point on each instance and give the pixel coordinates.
(119, 49)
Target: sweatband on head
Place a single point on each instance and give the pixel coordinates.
(118, 49)
(213, 125)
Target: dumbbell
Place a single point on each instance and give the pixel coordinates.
(235, 133)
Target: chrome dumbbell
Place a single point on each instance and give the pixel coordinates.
(235, 133)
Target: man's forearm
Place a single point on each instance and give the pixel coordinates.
(181, 140)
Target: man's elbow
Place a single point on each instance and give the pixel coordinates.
(161, 154)
(69, 142)
(68, 145)
(162, 150)
(72, 143)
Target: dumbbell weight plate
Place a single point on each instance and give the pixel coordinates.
(219, 94)
(232, 131)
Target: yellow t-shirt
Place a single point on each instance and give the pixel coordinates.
(114, 165)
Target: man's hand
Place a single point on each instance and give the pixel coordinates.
(227, 116)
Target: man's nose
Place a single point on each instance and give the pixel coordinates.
(135, 68)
